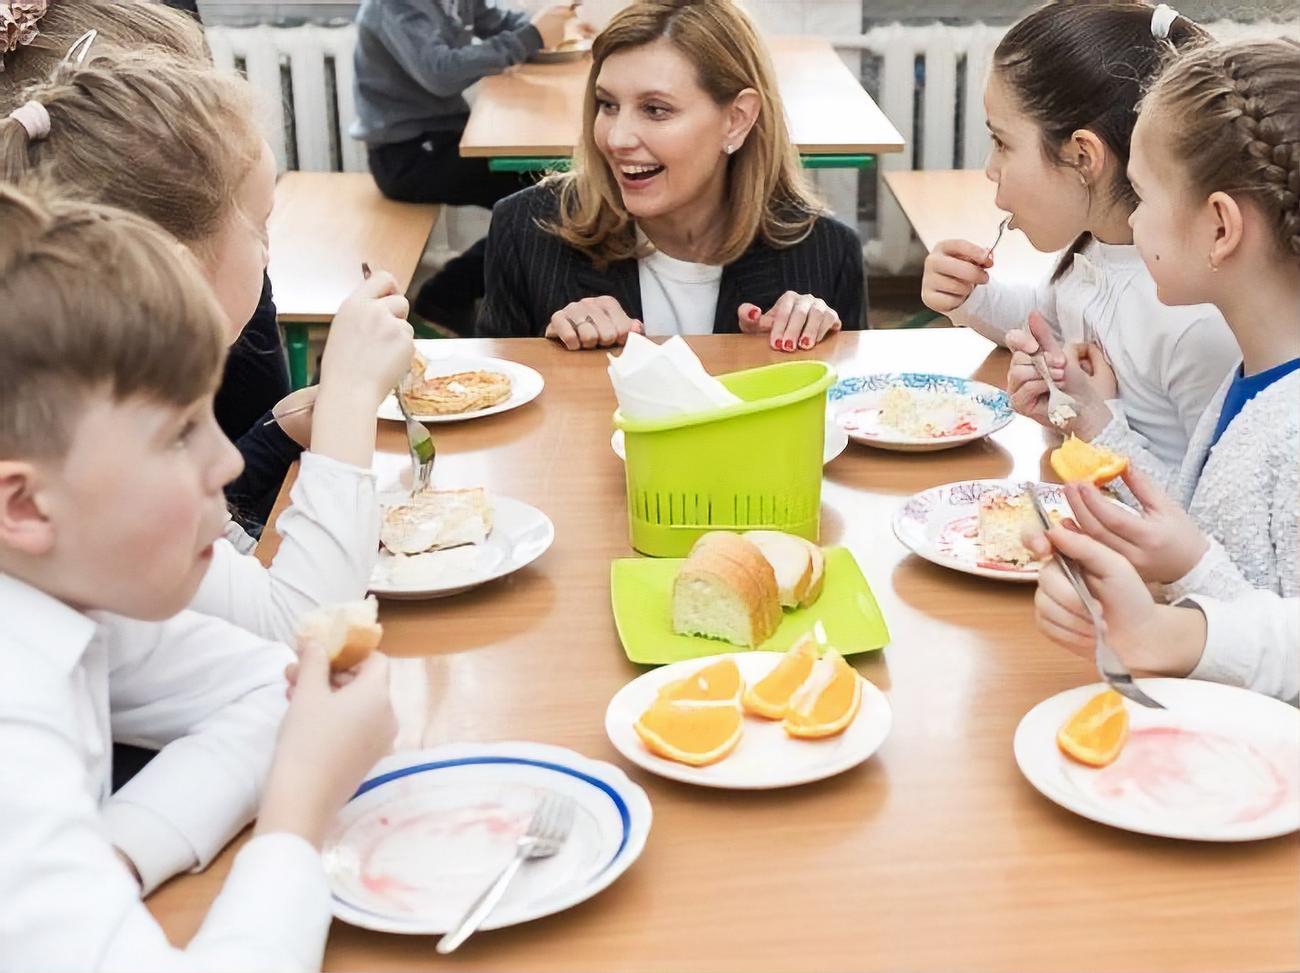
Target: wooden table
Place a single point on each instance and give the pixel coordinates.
(958, 204)
(532, 114)
(934, 855)
(323, 226)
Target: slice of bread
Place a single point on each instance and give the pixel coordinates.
(715, 597)
(791, 563)
(435, 519)
(818, 579)
(348, 632)
(746, 555)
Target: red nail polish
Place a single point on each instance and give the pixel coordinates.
(805, 343)
(753, 314)
(788, 344)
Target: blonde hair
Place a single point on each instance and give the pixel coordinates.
(168, 139)
(119, 24)
(1233, 114)
(767, 195)
(92, 298)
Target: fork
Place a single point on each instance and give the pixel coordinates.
(418, 438)
(1110, 666)
(1002, 228)
(1061, 406)
(420, 442)
(547, 831)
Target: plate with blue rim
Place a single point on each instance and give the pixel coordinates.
(428, 830)
(962, 410)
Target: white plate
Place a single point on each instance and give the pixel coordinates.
(1218, 764)
(855, 406)
(427, 832)
(520, 535)
(836, 442)
(942, 525)
(526, 383)
(766, 756)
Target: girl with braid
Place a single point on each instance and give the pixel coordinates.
(1216, 165)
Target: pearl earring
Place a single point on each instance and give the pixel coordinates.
(729, 149)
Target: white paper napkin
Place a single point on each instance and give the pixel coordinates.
(656, 381)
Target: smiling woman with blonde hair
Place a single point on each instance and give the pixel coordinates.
(686, 211)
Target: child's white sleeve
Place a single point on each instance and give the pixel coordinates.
(329, 542)
(70, 904)
(1252, 641)
(1000, 306)
(211, 697)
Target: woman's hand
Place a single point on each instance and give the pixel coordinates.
(795, 321)
(593, 322)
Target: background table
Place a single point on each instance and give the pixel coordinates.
(934, 855)
(531, 115)
(958, 205)
(323, 225)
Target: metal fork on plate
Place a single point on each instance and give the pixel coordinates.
(546, 834)
(1110, 666)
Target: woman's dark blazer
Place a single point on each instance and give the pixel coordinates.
(531, 273)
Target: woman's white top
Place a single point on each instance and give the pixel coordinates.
(677, 296)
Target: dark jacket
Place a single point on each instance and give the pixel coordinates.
(256, 377)
(531, 273)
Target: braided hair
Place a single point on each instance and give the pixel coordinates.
(1234, 124)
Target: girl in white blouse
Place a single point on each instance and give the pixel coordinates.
(1216, 162)
(1060, 102)
(213, 186)
(111, 475)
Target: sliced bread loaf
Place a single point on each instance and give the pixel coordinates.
(716, 597)
(791, 563)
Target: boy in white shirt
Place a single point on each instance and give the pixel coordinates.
(111, 476)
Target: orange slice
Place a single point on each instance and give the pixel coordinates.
(827, 701)
(1096, 733)
(770, 696)
(716, 683)
(689, 731)
(1078, 462)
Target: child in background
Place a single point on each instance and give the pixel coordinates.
(1061, 101)
(413, 61)
(175, 142)
(1216, 164)
(111, 469)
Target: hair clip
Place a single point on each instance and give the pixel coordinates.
(1162, 18)
(80, 48)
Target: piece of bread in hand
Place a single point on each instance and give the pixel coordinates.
(348, 632)
(791, 562)
(716, 597)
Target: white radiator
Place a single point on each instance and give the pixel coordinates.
(304, 75)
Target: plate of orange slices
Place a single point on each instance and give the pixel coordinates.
(750, 720)
(1218, 764)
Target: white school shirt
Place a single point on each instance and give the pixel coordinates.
(1169, 361)
(329, 543)
(677, 296)
(212, 697)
